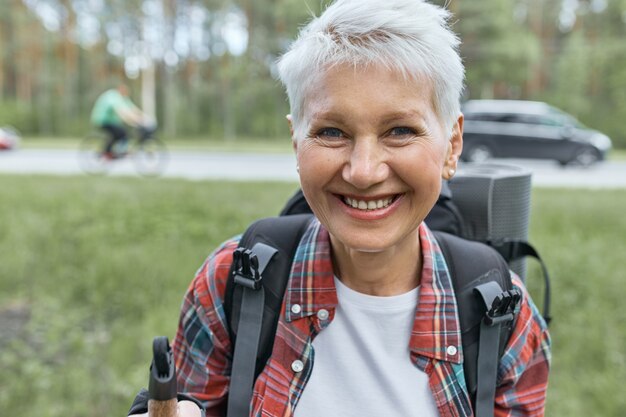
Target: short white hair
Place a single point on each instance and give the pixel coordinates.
(411, 37)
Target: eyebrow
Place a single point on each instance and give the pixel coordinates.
(386, 118)
(402, 115)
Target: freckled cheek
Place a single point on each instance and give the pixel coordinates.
(418, 161)
(318, 162)
(316, 169)
(319, 168)
(421, 173)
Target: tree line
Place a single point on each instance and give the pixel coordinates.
(205, 68)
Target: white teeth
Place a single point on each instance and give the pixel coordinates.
(367, 205)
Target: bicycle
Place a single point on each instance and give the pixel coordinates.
(148, 153)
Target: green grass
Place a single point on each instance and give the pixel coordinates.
(618, 155)
(581, 234)
(93, 268)
(99, 266)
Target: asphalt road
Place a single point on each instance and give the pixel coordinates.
(282, 167)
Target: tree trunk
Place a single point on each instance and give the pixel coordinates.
(169, 123)
(227, 108)
(44, 105)
(148, 90)
(70, 56)
(169, 103)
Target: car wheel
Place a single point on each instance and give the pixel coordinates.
(479, 153)
(585, 157)
(563, 163)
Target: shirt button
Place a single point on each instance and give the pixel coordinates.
(322, 314)
(297, 365)
(451, 350)
(296, 308)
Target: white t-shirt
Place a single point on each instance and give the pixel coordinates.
(361, 362)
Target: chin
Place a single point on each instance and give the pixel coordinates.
(365, 241)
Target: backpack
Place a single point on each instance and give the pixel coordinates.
(487, 301)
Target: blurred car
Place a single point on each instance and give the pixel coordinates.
(9, 138)
(528, 129)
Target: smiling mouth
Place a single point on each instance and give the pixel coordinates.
(369, 204)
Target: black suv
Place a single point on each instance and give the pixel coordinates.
(528, 129)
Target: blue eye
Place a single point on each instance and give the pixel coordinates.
(330, 132)
(401, 131)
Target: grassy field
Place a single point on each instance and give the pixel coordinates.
(93, 268)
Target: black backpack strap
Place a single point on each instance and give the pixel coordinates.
(512, 250)
(501, 307)
(249, 267)
(486, 304)
(253, 299)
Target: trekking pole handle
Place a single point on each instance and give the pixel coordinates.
(163, 401)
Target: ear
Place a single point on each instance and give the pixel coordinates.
(455, 146)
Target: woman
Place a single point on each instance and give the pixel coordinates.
(369, 324)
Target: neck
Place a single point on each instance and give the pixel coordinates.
(393, 271)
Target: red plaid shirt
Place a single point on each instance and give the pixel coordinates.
(204, 352)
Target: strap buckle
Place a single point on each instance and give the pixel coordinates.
(503, 308)
(246, 268)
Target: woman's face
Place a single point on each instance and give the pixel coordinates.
(373, 156)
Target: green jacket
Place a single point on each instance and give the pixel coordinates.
(105, 110)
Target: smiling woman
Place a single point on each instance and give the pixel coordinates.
(368, 130)
(370, 324)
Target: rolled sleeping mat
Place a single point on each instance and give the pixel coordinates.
(494, 200)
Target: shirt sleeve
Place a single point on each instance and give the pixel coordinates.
(127, 104)
(525, 364)
(202, 346)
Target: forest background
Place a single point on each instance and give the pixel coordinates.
(206, 68)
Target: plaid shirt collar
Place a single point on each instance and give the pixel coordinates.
(436, 331)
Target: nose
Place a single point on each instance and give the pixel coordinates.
(366, 165)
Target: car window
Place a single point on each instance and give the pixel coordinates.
(483, 117)
(532, 119)
(545, 116)
(556, 118)
(566, 118)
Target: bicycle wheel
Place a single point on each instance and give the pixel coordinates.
(150, 157)
(90, 158)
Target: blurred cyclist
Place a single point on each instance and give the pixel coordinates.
(114, 110)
